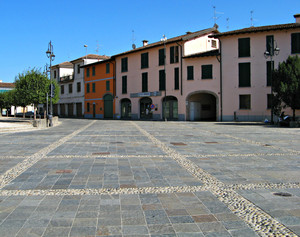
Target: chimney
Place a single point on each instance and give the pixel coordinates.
(145, 43)
(297, 18)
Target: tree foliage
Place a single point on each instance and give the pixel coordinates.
(32, 87)
(286, 85)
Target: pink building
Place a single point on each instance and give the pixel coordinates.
(176, 78)
(245, 79)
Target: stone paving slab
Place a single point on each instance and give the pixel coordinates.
(123, 178)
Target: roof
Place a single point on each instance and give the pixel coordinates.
(258, 29)
(98, 62)
(210, 53)
(63, 65)
(7, 85)
(91, 56)
(187, 36)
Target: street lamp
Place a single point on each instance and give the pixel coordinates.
(51, 56)
(164, 39)
(273, 51)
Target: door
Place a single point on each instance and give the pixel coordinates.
(125, 109)
(94, 110)
(170, 108)
(108, 106)
(145, 110)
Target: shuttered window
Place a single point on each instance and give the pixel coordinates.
(174, 54)
(244, 75)
(270, 44)
(269, 72)
(144, 60)
(244, 47)
(87, 88)
(245, 101)
(190, 72)
(161, 57)
(206, 72)
(176, 78)
(162, 80)
(145, 82)
(124, 64)
(124, 84)
(107, 85)
(296, 43)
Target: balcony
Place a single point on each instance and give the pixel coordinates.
(67, 78)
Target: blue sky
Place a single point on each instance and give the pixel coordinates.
(27, 26)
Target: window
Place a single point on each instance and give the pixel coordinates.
(213, 43)
(124, 84)
(54, 74)
(161, 57)
(296, 43)
(88, 107)
(190, 72)
(176, 78)
(78, 68)
(270, 43)
(62, 89)
(124, 64)
(145, 82)
(107, 68)
(78, 86)
(174, 55)
(144, 60)
(87, 72)
(245, 101)
(93, 71)
(107, 85)
(162, 80)
(206, 71)
(87, 88)
(269, 101)
(244, 47)
(70, 88)
(269, 72)
(244, 75)
(93, 87)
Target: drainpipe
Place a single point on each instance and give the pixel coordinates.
(180, 67)
(221, 81)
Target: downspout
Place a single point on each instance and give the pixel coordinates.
(221, 81)
(181, 91)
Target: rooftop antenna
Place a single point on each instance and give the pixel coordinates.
(251, 19)
(227, 20)
(133, 39)
(215, 15)
(97, 48)
(85, 50)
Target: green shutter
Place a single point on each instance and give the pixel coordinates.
(269, 71)
(161, 57)
(176, 78)
(107, 85)
(296, 43)
(206, 71)
(162, 80)
(93, 87)
(124, 84)
(88, 72)
(244, 75)
(124, 64)
(107, 68)
(87, 88)
(244, 47)
(190, 72)
(144, 60)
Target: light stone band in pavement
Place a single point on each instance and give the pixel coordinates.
(123, 178)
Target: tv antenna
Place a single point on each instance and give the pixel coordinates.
(252, 19)
(227, 20)
(215, 15)
(97, 48)
(133, 39)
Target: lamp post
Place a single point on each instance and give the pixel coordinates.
(51, 56)
(165, 77)
(271, 51)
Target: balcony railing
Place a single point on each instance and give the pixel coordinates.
(67, 78)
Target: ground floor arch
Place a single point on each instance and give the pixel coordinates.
(201, 106)
(125, 108)
(145, 108)
(170, 108)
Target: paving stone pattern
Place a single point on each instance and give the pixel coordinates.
(134, 178)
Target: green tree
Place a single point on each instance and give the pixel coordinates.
(286, 85)
(32, 87)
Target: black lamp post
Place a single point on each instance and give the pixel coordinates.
(273, 51)
(51, 56)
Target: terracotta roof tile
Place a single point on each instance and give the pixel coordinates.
(7, 85)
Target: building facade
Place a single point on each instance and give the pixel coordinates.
(70, 77)
(246, 72)
(158, 81)
(100, 91)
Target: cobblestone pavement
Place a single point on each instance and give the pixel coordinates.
(134, 178)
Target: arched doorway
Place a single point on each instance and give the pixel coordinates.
(108, 106)
(202, 106)
(170, 104)
(145, 110)
(125, 109)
